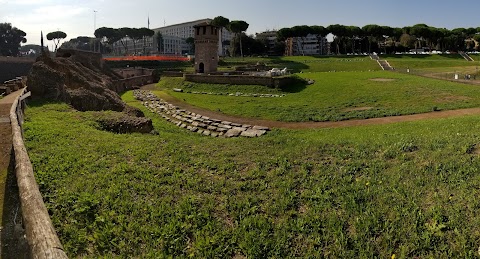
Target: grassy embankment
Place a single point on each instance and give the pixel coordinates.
(409, 189)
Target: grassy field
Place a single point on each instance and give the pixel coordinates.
(310, 64)
(335, 96)
(407, 189)
(403, 189)
(426, 61)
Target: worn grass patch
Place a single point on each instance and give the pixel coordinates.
(408, 189)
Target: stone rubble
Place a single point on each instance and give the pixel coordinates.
(196, 122)
(237, 94)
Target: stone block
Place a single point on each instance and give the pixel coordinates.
(233, 133)
(261, 128)
(225, 126)
(239, 129)
(251, 133)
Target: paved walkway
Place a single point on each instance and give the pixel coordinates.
(11, 233)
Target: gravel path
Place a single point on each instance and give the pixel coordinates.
(12, 243)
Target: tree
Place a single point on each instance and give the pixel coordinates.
(320, 32)
(191, 43)
(139, 34)
(421, 33)
(476, 37)
(282, 35)
(355, 33)
(237, 27)
(372, 31)
(146, 33)
(159, 39)
(10, 39)
(56, 37)
(107, 35)
(338, 31)
(302, 32)
(124, 34)
(407, 41)
(221, 22)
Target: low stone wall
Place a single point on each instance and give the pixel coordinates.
(131, 83)
(133, 72)
(274, 82)
(172, 74)
(11, 85)
(40, 234)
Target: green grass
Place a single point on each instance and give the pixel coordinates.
(176, 82)
(475, 57)
(408, 189)
(426, 61)
(311, 63)
(338, 96)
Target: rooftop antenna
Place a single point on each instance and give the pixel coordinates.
(148, 21)
(164, 23)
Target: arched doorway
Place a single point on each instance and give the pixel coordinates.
(201, 68)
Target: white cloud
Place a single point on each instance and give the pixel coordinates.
(71, 19)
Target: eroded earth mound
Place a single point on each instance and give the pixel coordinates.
(80, 79)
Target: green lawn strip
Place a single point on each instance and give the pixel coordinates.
(310, 63)
(341, 96)
(475, 57)
(180, 83)
(426, 61)
(409, 189)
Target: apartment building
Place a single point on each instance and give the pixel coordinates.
(174, 40)
(306, 46)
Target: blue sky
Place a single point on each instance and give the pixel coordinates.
(76, 17)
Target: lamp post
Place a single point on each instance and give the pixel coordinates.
(94, 28)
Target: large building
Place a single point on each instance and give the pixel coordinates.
(270, 40)
(174, 40)
(306, 46)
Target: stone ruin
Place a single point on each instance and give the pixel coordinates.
(80, 79)
(196, 122)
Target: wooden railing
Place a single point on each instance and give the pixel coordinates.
(41, 236)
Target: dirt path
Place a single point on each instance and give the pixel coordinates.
(12, 244)
(309, 125)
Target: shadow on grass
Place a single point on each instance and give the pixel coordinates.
(39, 102)
(293, 66)
(296, 86)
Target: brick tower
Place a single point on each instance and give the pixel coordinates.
(206, 47)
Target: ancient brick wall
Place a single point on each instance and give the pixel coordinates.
(127, 84)
(133, 72)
